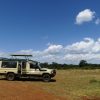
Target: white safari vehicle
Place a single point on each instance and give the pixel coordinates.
(14, 68)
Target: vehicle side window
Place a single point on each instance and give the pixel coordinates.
(8, 64)
(32, 66)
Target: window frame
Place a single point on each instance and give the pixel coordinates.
(12, 64)
(33, 65)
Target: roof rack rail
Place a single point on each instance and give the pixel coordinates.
(21, 55)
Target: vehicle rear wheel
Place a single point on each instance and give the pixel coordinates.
(46, 77)
(10, 76)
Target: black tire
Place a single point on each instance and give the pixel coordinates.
(10, 76)
(46, 77)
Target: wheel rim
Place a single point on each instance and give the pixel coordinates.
(10, 77)
(46, 77)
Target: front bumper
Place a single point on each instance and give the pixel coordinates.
(53, 73)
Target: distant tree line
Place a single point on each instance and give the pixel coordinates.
(82, 65)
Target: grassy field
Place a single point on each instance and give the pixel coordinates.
(75, 84)
(70, 84)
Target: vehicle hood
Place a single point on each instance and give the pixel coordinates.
(46, 69)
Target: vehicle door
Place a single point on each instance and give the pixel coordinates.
(34, 69)
(23, 67)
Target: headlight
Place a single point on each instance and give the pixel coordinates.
(53, 72)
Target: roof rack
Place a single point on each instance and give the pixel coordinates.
(21, 55)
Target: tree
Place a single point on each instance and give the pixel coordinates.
(45, 64)
(82, 63)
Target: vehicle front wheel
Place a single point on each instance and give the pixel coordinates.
(10, 76)
(46, 77)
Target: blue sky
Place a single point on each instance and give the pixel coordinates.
(32, 24)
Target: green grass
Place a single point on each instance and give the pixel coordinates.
(74, 84)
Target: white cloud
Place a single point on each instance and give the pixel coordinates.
(87, 49)
(80, 47)
(53, 49)
(2, 54)
(30, 51)
(97, 21)
(85, 16)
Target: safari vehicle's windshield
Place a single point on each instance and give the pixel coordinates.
(35, 65)
(39, 65)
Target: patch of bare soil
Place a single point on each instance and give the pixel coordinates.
(18, 90)
(90, 98)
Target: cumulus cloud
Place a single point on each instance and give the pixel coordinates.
(50, 54)
(87, 49)
(2, 54)
(81, 47)
(30, 51)
(85, 16)
(53, 49)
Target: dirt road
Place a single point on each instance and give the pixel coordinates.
(19, 90)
